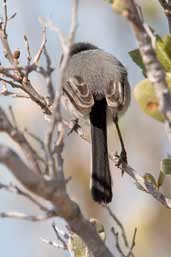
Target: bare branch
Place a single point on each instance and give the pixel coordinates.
(63, 205)
(119, 224)
(48, 76)
(5, 91)
(23, 216)
(132, 244)
(53, 243)
(19, 76)
(44, 188)
(35, 96)
(12, 16)
(74, 22)
(36, 138)
(145, 185)
(19, 138)
(50, 188)
(5, 17)
(28, 50)
(13, 117)
(3, 37)
(39, 53)
(64, 244)
(15, 189)
(118, 246)
(140, 181)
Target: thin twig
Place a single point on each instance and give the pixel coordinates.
(23, 216)
(7, 127)
(13, 117)
(132, 244)
(28, 50)
(64, 244)
(36, 138)
(42, 46)
(123, 234)
(53, 243)
(15, 189)
(117, 243)
(48, 76)
(12, 16)
(119, 224)
(3, 36)
(5, 17)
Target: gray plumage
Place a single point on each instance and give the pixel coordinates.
(98, 69)
(94, 84)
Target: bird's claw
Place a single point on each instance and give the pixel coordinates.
(122, 159)
(74, 126)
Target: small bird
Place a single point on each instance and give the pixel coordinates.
(95, 87)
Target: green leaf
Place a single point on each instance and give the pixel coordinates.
(160, 179)
(144, 94)
(163, 48)
(167, 45)
(165, 166)
(118, 6)
(149, 178)
(163, 52)
(165, 169)
(109, 1)
(136, 57)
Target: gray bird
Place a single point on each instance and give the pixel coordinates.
(95, 87)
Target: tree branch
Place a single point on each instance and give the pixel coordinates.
(7, 127)
(140, 181)
(154, 70)
(23, 216)
(63, 206)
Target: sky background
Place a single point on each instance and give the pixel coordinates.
(145, 138)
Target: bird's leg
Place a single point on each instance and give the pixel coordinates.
(123, 154)
(74, 126)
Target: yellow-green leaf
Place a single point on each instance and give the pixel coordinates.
(149, 178)
(165, 169)
(136, 57)
(165, 166)
(163, 49)
(167, 45)
(163, 52)
(160, 179)
(118, 6)
(145, 96)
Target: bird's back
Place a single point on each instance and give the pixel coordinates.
(97, 68)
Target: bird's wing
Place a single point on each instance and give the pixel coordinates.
(115, 93)
(79, 94)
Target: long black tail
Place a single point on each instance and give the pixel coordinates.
(101, 183)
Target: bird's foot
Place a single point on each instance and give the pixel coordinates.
(74, 126)
(121, 160)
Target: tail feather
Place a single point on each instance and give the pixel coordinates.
(101, 183)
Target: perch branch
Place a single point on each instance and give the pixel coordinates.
(63, 206)
(140, 181)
